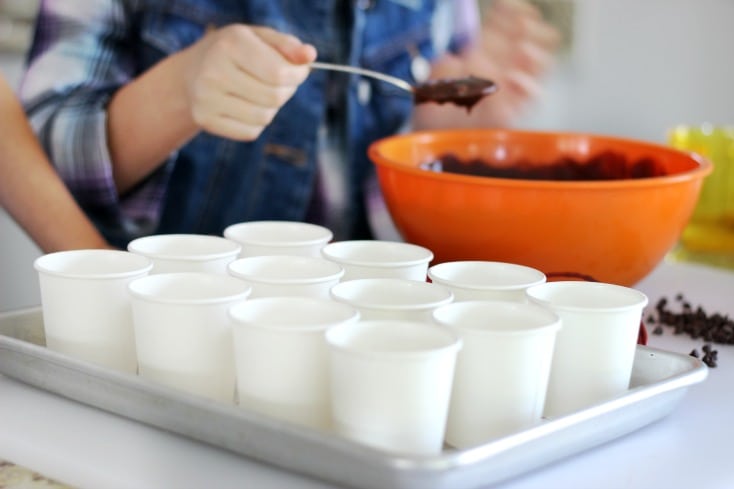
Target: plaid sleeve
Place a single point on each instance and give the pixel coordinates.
(466, 24)
(75, 64)
(455, 24)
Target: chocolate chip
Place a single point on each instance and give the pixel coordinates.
(709, 360)
(712, 328)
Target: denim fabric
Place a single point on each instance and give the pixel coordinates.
(216, 182)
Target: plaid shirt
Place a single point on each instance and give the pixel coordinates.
(76, 63)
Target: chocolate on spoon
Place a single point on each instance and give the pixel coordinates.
(464, 92)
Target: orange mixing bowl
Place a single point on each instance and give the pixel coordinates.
(615, 231)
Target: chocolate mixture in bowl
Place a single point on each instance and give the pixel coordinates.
(607, 165)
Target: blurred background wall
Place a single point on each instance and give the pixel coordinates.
(637, 67)
(628, 67)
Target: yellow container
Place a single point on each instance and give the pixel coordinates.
(709, 235)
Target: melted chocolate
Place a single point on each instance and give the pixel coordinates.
(464, 92)
(607, 165)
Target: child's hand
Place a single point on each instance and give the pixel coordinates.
(238, 77)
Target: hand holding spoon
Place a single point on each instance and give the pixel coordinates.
(464, 92)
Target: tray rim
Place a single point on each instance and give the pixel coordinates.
(442, 470)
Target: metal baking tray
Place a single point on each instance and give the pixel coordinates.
(659, 380)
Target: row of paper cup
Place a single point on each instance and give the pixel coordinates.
(345, 336)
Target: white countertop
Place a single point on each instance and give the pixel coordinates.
(89, 448)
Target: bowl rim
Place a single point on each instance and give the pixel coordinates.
(704, 168)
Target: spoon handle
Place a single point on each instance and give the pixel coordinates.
(398, 82)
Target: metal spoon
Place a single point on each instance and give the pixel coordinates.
(464, 92)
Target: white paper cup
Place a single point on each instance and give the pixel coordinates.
(379, 259)
(186, 252)
(182, 332)
(486, 280)
(86, 307)
(281, 356)
(392, 298)
(391, 382)
(286, 275)
(502, 370)
(595, 348)
(279, 238)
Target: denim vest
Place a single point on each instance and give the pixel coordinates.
(216, 182)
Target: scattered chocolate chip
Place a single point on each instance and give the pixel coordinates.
(658, 330)
(712, 328)
(694, 353)
(709, 360)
